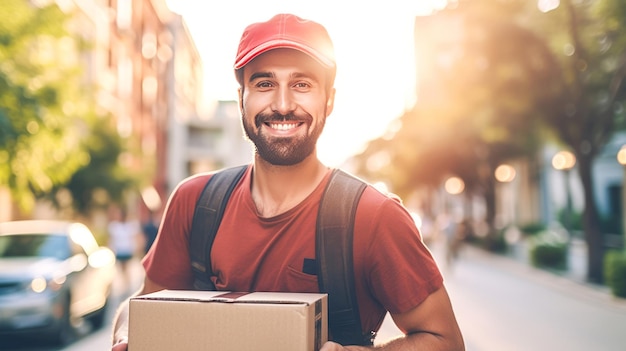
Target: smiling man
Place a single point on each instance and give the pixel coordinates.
(279, 108)
(286, 69)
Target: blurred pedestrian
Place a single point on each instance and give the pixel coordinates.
(123, 240)
(453, 230)
(150, 229)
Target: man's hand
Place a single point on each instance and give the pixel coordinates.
(333, 346)
(120, 346)
(120, 325)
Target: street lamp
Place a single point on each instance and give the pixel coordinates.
(454, 185)
(621, 158)
(505, 174)
(565, 161)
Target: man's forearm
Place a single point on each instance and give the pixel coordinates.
(411, 342)
(120, 323)
(423, 341)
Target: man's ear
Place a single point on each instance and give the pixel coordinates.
(240, 94)
(330, 102)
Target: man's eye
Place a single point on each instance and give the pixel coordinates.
(264, 84)
(302, 85)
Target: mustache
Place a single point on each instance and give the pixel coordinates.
(262, 118)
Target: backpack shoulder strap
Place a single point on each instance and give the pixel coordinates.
(335, 227)
(206, 220)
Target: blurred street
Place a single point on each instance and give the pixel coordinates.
(497, 122)
(501, 304)
(504, 305)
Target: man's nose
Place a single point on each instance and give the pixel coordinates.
(284, 101)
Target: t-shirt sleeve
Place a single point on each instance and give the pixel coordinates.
(400, 269)
(168, 263)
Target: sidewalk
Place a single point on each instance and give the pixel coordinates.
(577, 258)
(573, 281)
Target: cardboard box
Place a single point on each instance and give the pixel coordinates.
(227, 321)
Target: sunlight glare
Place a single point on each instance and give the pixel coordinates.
(547, 5)
(505, 173)
(454, 185)
(621, 155)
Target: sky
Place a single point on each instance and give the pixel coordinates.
(373, 45)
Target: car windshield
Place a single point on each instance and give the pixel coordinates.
(34, 245)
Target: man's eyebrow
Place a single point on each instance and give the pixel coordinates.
(303, 75)
(258, 75)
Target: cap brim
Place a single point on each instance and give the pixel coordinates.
(284, 44)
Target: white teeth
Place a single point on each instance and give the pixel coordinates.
(283, 126)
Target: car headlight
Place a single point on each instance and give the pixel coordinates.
(40, 284)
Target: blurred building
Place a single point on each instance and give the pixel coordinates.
(149, 74)
(207, 142)
(139, 52)
(160, 86)
(158, 99)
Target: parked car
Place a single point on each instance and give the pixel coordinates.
(52, 274)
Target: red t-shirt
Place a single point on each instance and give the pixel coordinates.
(394, 271)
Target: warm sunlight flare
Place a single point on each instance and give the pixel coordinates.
(454, 185)
(621, 155)
(563, 160)
(547, 5)
(375, 56)
(505, 173)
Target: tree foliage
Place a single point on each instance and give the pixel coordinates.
(526, 76)
(47, 112)
(38, 139)
(487, 107)
(100, 181)
(587, 38)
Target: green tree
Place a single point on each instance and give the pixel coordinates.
(522, 69)
(588, 38)
(483, 107)
(39, 141)
(102, 180)
(53, 145)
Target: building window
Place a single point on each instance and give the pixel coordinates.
(124, 14)
(149, 46)
(125, 78)
(149, 89)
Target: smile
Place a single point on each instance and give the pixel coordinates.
(284, 126)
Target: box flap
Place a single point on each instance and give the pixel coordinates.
(179, 295)
(232, 297)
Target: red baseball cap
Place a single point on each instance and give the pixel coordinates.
(286, 31)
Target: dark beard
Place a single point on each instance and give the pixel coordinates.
(283, 151)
